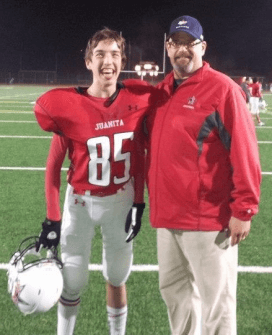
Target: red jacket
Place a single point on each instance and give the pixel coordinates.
(203, 155)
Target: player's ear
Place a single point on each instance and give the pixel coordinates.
(88, 63)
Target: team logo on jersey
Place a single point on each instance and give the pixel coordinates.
(191, 102)
(109, 124)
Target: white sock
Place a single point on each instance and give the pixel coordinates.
(117, 319)
(67, 313)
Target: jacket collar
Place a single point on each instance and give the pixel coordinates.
(195, 78)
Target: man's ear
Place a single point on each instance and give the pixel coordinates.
(167, 46)
(204, 47)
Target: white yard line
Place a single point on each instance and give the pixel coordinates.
(19, 168)
(12, 121)
(30, 168)
(11, 136)
(155, 268)
(8, 111)
(19, 96)
(16, 168)
(11, 112)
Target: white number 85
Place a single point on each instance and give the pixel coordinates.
(103, 159)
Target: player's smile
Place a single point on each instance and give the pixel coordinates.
(108, 73)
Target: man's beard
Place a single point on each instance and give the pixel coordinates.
(183, 69)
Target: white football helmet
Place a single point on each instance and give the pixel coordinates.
(35, 282)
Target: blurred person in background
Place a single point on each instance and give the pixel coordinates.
(245, 88)
(256, 95)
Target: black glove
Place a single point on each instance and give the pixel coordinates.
(50, 235)
(133, 221)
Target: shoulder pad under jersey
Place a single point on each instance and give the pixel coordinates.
(47, 106)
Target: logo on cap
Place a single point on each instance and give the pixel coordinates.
(182, 22)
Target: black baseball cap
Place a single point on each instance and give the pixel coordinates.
(189, 25)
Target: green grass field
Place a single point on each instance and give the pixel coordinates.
(22, 209)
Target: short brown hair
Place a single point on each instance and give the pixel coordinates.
(106, 34)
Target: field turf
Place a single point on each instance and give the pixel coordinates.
(23, 153)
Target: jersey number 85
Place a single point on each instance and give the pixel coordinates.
(99, 164)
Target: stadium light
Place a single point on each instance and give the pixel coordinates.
(156, 72)
(145, 68)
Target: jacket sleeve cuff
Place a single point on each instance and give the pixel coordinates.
(245, 215)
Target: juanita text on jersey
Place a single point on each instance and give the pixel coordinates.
(109, 124)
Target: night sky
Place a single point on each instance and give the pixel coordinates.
(37, 35)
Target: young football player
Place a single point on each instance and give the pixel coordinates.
(101, 129)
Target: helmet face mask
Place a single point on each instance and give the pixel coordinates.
(35, 281)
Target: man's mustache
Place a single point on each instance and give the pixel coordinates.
(182, 54)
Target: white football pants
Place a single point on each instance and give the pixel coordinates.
(81, 214)
(254, 103)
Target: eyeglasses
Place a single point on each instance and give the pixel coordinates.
(176, 45)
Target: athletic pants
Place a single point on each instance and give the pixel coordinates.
(198, 280)
(254, 103)
(81, 214)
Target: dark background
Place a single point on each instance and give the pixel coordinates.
(52, 34)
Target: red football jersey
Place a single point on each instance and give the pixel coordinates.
(105, 141)
(256, 90)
